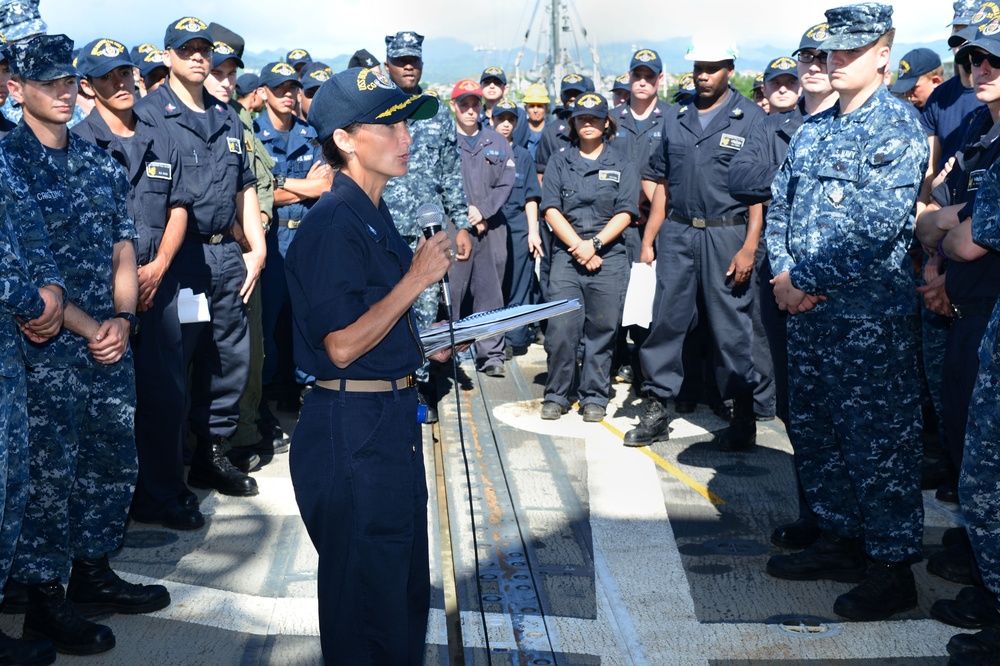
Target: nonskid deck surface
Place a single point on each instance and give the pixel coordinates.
(579, 551)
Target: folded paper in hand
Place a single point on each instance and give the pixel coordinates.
(484, 324)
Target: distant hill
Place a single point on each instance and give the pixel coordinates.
(448, 60)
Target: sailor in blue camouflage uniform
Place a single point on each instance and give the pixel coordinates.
(19, 19)
(972, 285)
(751, 174)
(27, 261)
(979, 481)
(838, 233)
(158, 210)
(81, 388)
(434, 176)
(300, 177)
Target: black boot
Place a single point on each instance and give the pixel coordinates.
(50, 615)
(830, 558)
(26, 653)
(888, 588)
(95, 589)
(210, 468)
(742, 432)
(800, 534)
(654, 426)
(15, 598)
(243, 458)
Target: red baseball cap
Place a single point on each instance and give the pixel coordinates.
(464, 88)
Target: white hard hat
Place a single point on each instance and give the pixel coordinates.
(712, 47)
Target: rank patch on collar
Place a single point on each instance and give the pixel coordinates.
(608, 174)
(732, 141)
(161, 170)
(234, 145)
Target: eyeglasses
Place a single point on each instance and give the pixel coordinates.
(808, 58)
(978, 57)
(185, 51)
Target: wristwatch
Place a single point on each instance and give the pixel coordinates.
(597, 243)
(133, 321)
(279, 181)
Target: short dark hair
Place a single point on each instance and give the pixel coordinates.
(332, 154)
(609, 132)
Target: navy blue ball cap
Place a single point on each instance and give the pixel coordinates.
(362, 58)
(987, 38)
(137, 52)
(493, 73)
(858, 25)
(150, 61)
(813, 38)
(42, 58)
(779, 66)
(504, 106)
(102, 56)
(758, 82)
(226, 45)
(590, 104)
(912, 66)
(573, 82)
(315, 74)
(404, 44)
(622, 83)
(361, 95)
(183, 30)
(246, 84)
(274, 74)
(297, 57)
(646, 58)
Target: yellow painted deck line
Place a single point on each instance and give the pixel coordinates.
(671, 469)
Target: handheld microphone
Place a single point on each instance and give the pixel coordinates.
(430, 217)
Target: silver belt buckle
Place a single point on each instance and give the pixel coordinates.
(215, 239)
(698, 223)
(294, 224)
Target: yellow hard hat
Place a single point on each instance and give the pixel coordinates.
(536, 94)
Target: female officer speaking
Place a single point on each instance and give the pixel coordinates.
(590, 195)
(356, 462)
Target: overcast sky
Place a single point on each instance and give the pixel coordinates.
(334, 27)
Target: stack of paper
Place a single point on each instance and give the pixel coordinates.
(484, 324)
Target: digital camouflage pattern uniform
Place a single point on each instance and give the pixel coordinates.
(979, 482)
(839, 223)
(83, 457)
(434, 176)
(27, 264)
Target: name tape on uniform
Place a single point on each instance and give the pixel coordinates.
(161, 170)
(732, 141)
(608, 174)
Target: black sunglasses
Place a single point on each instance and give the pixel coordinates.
(977, 58)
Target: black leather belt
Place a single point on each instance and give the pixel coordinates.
(291, 224)
(982, 308)
(701, 223)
